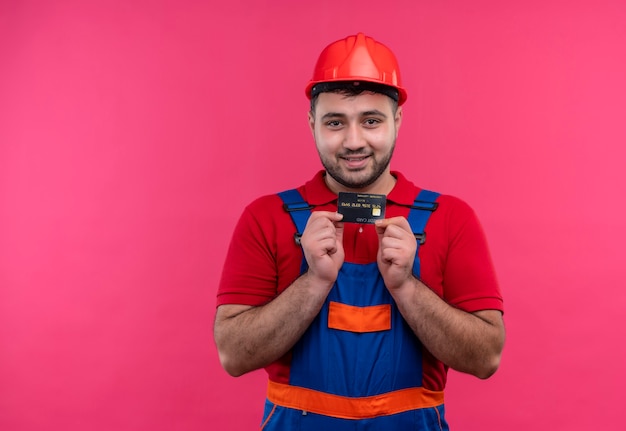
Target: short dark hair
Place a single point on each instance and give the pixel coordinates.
(353, 88)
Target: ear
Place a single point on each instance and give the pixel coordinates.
(311, 118)
(398, 119)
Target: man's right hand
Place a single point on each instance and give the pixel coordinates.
(248, 337)
(322, 243)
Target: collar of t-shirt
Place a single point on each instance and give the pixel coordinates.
(317, 193)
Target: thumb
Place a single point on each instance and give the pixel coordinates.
(381, 226)
(339, 232)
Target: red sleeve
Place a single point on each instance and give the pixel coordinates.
(469, 279)
(261, 258)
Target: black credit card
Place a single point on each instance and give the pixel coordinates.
(361, 207)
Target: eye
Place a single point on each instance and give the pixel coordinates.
(333, 124)
(371, 122)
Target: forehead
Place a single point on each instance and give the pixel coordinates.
(351, 105)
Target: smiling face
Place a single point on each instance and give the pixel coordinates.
(355, 138)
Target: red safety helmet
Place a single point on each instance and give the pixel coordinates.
(360, 59)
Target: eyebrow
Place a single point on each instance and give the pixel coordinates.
(375, 112)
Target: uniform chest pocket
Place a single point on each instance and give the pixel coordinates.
(372, 318)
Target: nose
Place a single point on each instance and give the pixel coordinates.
(353, 140)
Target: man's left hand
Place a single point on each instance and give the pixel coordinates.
(396, 251)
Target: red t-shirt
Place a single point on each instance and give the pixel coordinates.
(263, 259)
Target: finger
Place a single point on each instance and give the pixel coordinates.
(328, 246)
(390, 255)
(382, 223)
(388, 231)
(395, 231)
(332, 216)
(391, 242)
(339, 231)
(325, 233)
(336, 217)
(381, 227)
(400, 222)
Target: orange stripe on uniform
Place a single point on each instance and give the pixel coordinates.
(359, 319)
(389, 403)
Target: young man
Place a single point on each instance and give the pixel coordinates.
(356, 321)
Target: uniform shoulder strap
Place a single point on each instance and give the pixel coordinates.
(423, 206)
(300, 211)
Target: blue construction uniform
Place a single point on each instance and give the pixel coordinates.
(359, 365)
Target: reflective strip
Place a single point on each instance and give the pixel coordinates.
(359, 319)
(390, 403)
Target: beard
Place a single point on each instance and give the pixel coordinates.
(357, 179)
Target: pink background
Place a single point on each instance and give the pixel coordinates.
(133, 133)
